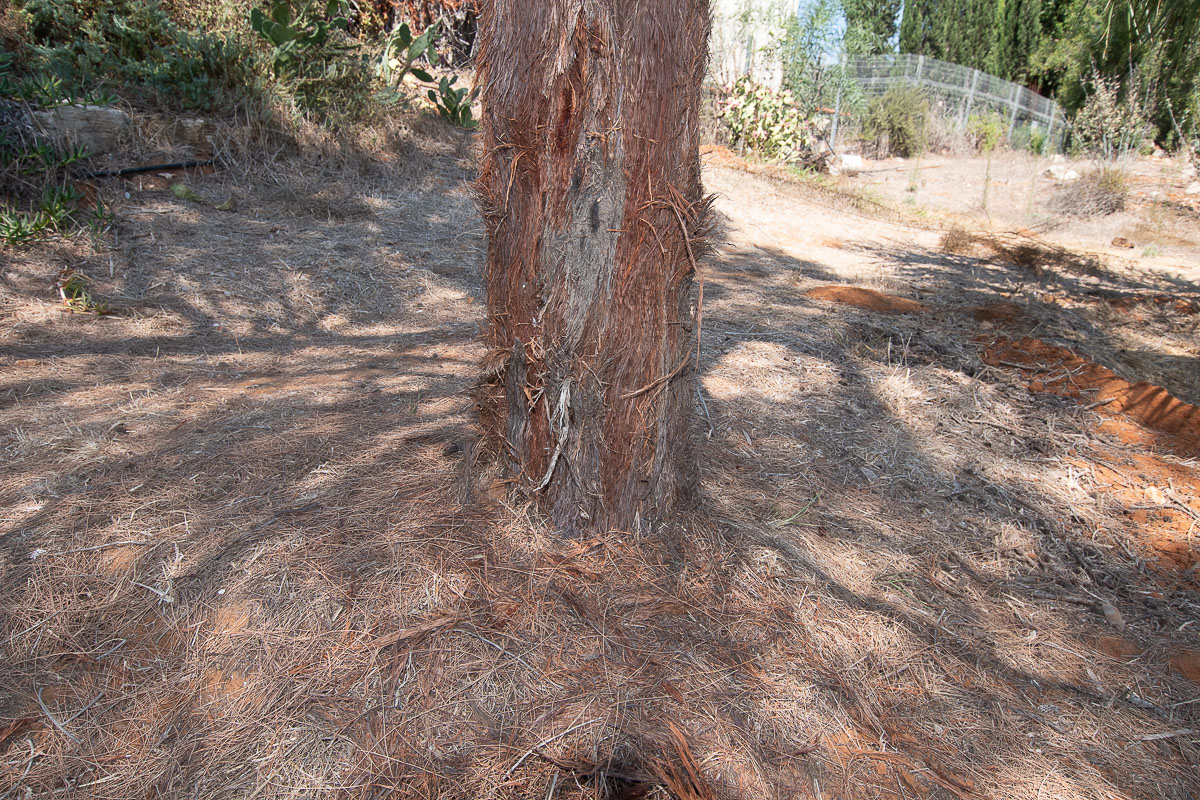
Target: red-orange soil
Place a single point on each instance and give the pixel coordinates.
(716, 154)
(1114, 646)
(1061, 372)
(1178, 305)
(1155, 490)
(1187, 664)
(997, 312)
(868, 299)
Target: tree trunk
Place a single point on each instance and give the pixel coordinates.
(590, 191)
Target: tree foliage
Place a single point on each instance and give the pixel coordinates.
(871, 25)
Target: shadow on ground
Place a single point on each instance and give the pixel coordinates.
(245, 552)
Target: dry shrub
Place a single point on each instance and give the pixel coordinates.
(1099, 193)
(957, 241)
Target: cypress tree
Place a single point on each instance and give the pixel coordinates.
(1018, 31)
(919, 31)
(979, 33)
(951, 29)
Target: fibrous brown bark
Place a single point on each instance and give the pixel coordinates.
(591, 194)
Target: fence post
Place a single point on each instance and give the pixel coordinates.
(920, 67)
(1050, 129)
(966, 113)
(837, 105)
(1014, 101)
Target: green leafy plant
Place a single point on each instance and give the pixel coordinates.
(768, 122)
(401, 50)
(294, 33)
(454, 105)
(17, 227)
(58, 205)
(79, 51)
(54, 212)
(1037, 142)
(72, 287)
(100, 221)
(40, 200)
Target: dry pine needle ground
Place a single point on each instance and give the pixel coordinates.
(246, 551)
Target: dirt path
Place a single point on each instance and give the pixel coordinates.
(1159, 229)
(246, 551)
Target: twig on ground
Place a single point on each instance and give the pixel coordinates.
(547, 741)
(1157, 737)
(106, 545)
(53, 720)
(28, 766)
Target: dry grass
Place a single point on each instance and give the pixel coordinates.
(246, 550)
(1099, 192)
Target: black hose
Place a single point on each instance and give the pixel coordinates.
(113, 173)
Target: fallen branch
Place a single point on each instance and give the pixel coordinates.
(115, 173)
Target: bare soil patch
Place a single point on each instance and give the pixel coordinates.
(868, 299)
(1058, 370)
(247, 549)
(1015, 190)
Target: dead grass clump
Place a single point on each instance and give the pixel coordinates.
(957, 241)
(1099, 193)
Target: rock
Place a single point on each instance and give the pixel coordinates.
(851, 164)
(1112, 615)
(97, 129)
(1060, 173)
(1192, 188)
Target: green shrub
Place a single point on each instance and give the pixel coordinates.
(294, 59)
(1110, 124)
(317, 66)
(1022, 138)
(987, 131)
(81, 48)
(297, 35)
(897, 121)
(1037, 142)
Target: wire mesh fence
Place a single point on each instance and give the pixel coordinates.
(958, 93)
